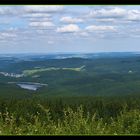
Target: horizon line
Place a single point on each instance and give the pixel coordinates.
(71, 52)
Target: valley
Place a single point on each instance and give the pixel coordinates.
(70, 94)
(85, 75)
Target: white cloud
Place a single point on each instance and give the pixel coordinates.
(7, 35)
(105, 20)
(68, 28)
(5, 10)
(108, 13)
(69, 19)
(41, 24)
(37, 15)
(115, 14)
(40, 19)
(133, 15)
(32, 9)
(92, 28)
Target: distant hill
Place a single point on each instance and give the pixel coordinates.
(100, 74)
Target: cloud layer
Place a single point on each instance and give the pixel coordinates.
(68, 28)
(55, 25)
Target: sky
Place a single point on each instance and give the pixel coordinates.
(66, 29)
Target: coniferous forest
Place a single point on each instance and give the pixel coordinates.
(71, 96)
(70, 116)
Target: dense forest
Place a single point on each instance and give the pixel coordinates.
(96, 95)
(70, 116)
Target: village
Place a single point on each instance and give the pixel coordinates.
(11, 74)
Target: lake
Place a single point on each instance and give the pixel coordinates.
(29, 85)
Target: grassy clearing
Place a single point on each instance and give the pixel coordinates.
(35, 71)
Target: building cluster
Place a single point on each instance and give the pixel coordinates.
(11, 74)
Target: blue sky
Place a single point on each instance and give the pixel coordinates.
(51, 29)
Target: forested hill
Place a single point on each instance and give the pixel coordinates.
(114, 74)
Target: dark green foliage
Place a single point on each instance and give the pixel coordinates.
(118, 76)
(70, 115)
(104, 98)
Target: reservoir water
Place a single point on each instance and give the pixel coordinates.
(29, 85)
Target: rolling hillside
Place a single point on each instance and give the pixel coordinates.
(106, 75)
